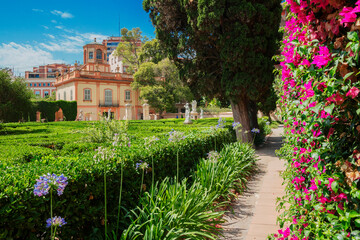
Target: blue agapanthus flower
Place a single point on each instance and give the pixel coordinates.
(55, 222)
(175, 136)
(255, 130)
(141, 165)
(221, 123)
(236, 125)
(46, 182)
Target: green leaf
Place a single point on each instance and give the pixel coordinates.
(317, 108)
(358, 111)
(357, 222)
(339, 236)
(335, 186)
(348, 75)
(354, 214)
(329, 109)
(353, 36)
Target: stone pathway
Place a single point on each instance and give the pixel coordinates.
(254, 215)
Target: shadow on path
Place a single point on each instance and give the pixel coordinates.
(241, 212)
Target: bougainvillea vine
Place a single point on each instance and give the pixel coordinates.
(321, 112)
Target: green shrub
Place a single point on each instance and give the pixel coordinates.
(265, 129)
(227, 170)
(105, 131)
(23, 215)
(48, 109)
(175, 211)
(69, 109)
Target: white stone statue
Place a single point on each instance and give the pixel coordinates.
(80, 117)
(187, 114)
(146, 115)
(155, 116)
(193, 106)
(109, 114)
(128, 111)
(201, 113)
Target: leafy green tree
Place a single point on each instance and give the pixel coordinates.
(152, 51)
(15, 97)
(130, 48)
(222, 48)
(268, 104)
(160, 85)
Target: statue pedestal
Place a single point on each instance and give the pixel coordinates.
(194, 115)
(146, 115)
(188, 121)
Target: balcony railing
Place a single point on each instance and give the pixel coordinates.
(108, 104)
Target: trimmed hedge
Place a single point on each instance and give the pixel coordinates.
(48, 109)
(23, 215)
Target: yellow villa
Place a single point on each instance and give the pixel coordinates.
(97, 90)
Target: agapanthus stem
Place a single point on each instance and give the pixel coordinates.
(105, 206)
(215, 141)
(142, 180)
(153, 173)
(177, 165)
(51, 214)
(118, 217)
(54, 233)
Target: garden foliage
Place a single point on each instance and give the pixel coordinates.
(48, 109)
(222, 48)
(321, 111)
(14, 98)
(23, 216)
(192, 211)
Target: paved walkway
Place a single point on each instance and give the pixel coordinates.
(254, 215)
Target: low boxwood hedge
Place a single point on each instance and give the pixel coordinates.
(23, 215)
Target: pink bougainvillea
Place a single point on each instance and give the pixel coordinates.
(321, 119)
(353, 92)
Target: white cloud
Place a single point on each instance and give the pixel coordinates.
(54, 21)
(23, 57)
(37, 10)
(91, 36)
(50, 35)
(62, 14)
(46, 27)
(72, 43)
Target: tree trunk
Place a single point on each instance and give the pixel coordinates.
(253, 115)
(241, 114)
(270, 121)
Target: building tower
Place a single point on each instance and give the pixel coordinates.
(95, 53)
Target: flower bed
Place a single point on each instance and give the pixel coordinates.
(23, 216)
(191, 211)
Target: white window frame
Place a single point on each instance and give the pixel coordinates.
(127, 95)
(87, 94)
(108, 97)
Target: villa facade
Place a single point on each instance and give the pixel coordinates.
(97, 90)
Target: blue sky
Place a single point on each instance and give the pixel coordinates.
(41, 32)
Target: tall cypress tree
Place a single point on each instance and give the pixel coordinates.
(223, 48)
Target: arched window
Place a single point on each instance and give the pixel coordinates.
(108, 97)
(91, 55)
(98, 54)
